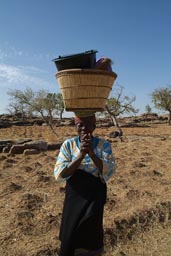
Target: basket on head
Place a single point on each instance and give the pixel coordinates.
(85, 89)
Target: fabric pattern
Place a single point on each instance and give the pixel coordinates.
(70, 150)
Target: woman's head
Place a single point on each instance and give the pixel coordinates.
(85, 125)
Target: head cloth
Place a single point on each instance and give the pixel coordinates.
(85, 117)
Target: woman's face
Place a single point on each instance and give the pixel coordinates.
(85, 127)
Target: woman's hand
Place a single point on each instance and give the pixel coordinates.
(87, 148)
(86, 143)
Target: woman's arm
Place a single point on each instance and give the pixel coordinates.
(109, 165)
(86, 147)
(97, 161)
(73, 166)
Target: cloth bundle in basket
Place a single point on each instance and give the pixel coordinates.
(85, 89)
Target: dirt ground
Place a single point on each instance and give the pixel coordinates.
(139, 193)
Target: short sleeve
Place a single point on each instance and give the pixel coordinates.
(109, 165)
(63, 159)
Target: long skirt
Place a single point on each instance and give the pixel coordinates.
(82, 217)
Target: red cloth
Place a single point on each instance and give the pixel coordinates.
(86, 119)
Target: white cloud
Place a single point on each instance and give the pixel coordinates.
(3, 55)
(20, 77)
(20, 69)
(33, 70)
(25, 76)
(10, 74)
(9, 52)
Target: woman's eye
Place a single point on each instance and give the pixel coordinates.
(80, 126)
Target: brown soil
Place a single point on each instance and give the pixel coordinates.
(139, 194)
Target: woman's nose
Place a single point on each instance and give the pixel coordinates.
(85, 127)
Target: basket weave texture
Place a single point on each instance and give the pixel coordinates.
(85, 89)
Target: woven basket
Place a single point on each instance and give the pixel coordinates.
(85, 89)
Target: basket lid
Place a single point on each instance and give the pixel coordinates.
(64, 57)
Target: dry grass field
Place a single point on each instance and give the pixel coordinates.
(137, 215)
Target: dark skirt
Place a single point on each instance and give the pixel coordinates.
(82, 218)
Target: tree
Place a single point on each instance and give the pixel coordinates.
(58, 103)
(48, 105)
(16, 109)
(20, 102)
(119, 105)
(162, 100)
(148, 108)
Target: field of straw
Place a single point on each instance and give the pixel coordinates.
(137, 217)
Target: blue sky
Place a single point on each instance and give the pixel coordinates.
(135, 34)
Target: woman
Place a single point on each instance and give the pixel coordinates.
(86, 163)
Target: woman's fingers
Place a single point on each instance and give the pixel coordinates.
(86, 142)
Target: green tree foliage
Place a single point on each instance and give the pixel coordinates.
(47, 105)
(162, 100)
(148, 108)
(20, 102)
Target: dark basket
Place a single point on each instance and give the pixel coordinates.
(85, 60)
